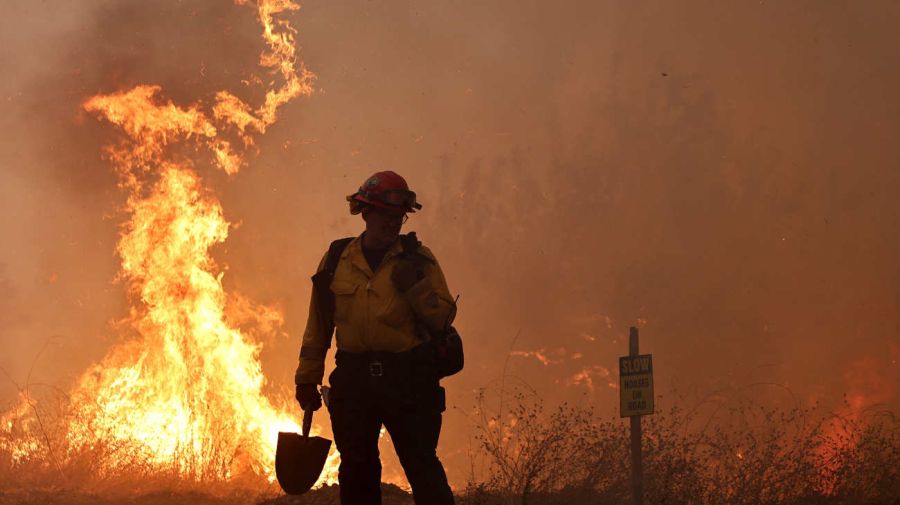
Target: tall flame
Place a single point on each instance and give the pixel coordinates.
(185, 394)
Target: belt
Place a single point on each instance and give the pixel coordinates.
(375, 362)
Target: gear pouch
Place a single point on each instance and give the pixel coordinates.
(448, 350)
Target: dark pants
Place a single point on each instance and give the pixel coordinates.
(401, 392)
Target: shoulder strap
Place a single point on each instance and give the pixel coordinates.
(322, 283)
(334, 254)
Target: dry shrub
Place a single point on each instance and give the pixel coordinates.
(748, 454)
(534, 453)
(758, 455)
(863, 458)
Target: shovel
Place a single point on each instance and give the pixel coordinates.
(299, 459)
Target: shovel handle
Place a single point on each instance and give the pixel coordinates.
(307, 421)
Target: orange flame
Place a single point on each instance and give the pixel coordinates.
(184, 395)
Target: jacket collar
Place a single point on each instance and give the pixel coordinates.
(354, 253)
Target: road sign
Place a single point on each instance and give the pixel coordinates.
(636, 385)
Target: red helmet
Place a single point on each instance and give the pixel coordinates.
(385, 190)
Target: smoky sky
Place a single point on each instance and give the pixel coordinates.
(723, 175)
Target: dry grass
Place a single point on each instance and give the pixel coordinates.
(55, 472)
(747, 455)
(530, 454)
(105, 469)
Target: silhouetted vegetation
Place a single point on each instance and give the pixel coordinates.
(748, 455)
(528, 453)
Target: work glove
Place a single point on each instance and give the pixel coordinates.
(308, 396)
(406, 273)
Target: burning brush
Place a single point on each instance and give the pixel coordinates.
(184, 396)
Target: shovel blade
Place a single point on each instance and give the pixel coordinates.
(299, 461)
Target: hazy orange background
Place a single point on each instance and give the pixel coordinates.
(727, 177)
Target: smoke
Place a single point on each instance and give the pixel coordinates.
(724, 177)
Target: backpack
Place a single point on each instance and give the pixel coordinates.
(448, 348)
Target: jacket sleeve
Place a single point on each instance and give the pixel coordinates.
(430, 297)
(316, 341)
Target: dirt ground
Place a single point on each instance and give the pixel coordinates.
(392, 495)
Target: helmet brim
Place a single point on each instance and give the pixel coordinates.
(381, 205)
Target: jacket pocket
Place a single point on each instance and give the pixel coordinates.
(343, 299)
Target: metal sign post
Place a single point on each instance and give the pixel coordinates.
(636, 400)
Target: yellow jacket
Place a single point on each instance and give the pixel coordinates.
(370, 313)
